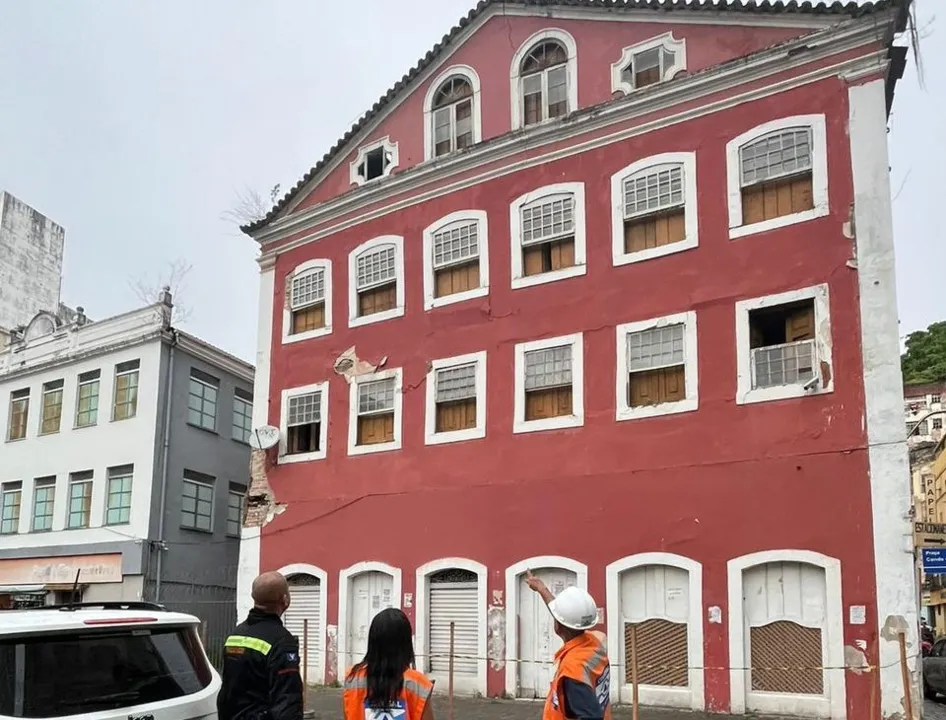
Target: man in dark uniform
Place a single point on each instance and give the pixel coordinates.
(261, 679)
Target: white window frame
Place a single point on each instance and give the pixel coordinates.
(477, 216)
(690, 210)
(326, 267)
(666, 41)
(353, 447)
(819, 174)
(468, 74)
(288, 393)
(354, 320)
(515, 231)
(390, 149)
(691, 401)
(431, 436)
(823, 346)
(577, 418)
(571, 72)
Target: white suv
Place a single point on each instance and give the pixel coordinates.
(133, 661)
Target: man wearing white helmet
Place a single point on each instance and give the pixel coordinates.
(581, 688)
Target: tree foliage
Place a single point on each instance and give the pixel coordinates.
(925, 358)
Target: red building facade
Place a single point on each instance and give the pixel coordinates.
(607, 295)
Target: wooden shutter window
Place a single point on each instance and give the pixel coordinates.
(457, 278)
(800, 324)
(308, 318)
(542, 404)
(777, 198)
(453, 416)
(376, 429)
(538, 259)
(377, 299)
(644, 233)
(654, 387)
(456, 398)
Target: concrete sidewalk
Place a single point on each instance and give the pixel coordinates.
(327, 705)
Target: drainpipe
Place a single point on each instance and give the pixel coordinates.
(168, 387)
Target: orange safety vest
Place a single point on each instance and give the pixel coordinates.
(584, 659)
(410, 704)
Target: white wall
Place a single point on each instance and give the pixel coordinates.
(106, 444)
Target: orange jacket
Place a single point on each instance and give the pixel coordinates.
(414, 695)
(585, 660)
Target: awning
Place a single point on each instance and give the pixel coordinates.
(21, 589)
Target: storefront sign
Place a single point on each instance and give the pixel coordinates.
(929, 534)
(62, 570)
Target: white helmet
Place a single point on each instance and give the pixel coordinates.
(575, 609)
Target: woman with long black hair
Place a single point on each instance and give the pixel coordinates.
(385, 685)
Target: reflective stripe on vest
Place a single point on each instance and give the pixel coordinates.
(583, 659)
(414, 695)
(242, 641)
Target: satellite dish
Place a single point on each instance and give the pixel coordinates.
(264, 437)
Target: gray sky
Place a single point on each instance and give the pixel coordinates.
(133, 124)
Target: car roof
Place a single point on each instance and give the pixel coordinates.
(89, 617)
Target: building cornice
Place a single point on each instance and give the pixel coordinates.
(211, 355)
(790, 55)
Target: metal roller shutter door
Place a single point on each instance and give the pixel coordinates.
(305, 604)
(453, 602)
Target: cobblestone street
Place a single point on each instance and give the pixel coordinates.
(326, 704)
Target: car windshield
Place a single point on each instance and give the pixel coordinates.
(73, 673)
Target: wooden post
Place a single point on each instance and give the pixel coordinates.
(304, 656)
(905, 675)
(634, 704)
(450, 675)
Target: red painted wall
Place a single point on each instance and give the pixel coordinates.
(490, 52)
(711, 485)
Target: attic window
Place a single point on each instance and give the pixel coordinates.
(648, 63)
(374, 161)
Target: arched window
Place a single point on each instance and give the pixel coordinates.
(453, 116)
(544, 83)
(376, 281)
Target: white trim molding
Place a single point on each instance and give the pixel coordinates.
(691, 400)
(819, 174)
(344, 591)
(834, 706)
(421, 597)
(431, 436)
(823, 364)
(519, 279)
(895, 572)
(316, 388)
(512, 605)
(482, 235)
(470, 75)
(356, 320)
(248, 564)
(310, 265)
(353, 447)
(316, 572)
(389, 156)
(571, 69)
(645, 166)
(667, 42)
(577, 417)
(692, 696)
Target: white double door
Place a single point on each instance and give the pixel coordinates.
(538, 642)
(370, 593)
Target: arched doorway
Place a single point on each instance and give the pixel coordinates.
(365, 590)
(308, 595)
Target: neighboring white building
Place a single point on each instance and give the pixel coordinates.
(31, 247)
(123, 461)
(919, 401)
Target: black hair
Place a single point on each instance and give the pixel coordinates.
(390, 653)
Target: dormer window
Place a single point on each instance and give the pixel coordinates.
(374, 161)
(544, 78)
(453, 116)
(648, 63)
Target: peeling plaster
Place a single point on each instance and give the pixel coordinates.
(261, 505)
(496, 638)
(350, 366)
(855, 660)
(331, 654)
